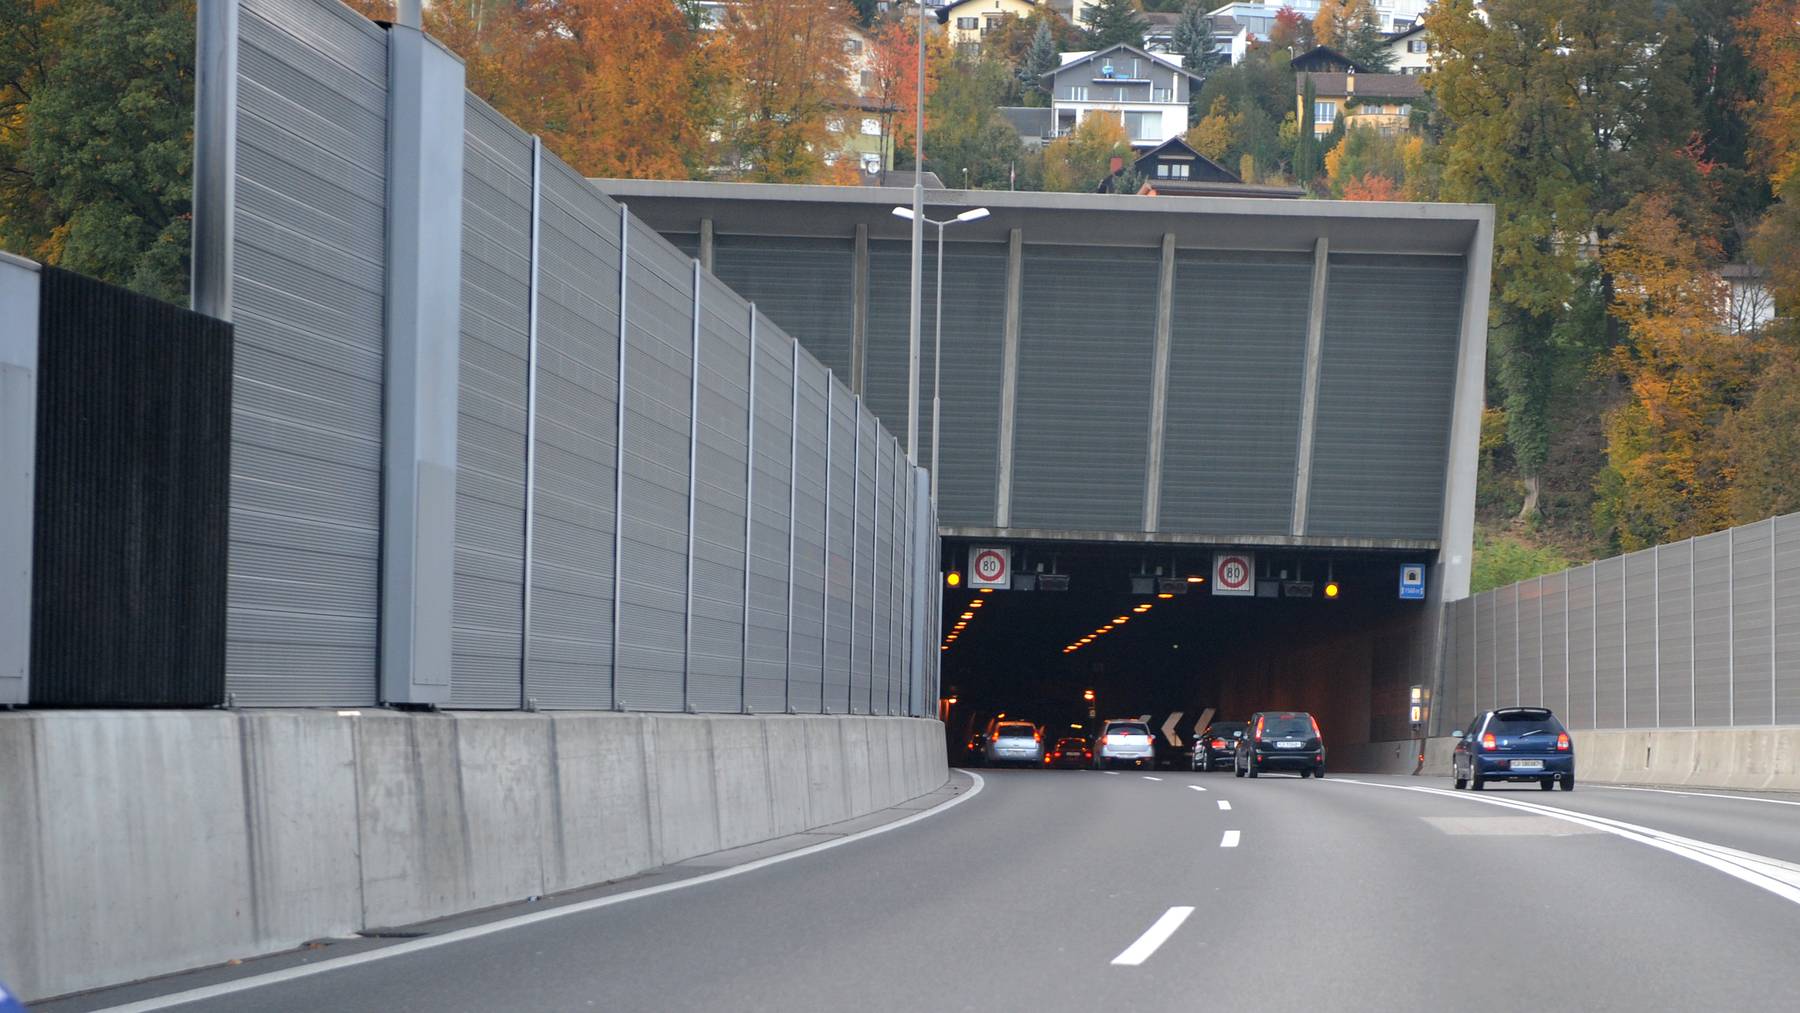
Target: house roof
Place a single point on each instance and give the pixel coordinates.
(1418, 26)
(1177, 146)
(1320, 58)
(1162, 19)
(1098, 53)
(943, 13)
(1210, 188)
(1402, 86)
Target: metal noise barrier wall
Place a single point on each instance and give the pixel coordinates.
(1694, 634)
(662, 502)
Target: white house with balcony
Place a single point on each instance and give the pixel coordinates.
(1148, 92)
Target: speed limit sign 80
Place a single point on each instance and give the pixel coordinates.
(990, 566)
(1234, 573)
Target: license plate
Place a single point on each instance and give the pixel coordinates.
(1528, 765)
(1289, 745)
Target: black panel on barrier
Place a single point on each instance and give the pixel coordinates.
(133, 462)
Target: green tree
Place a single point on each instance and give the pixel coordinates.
(964, 128)
(96, 138)
(1111, 22)
(1363, 41)
(1039, 60)
(1194, 39)
(1077, 163)
(1557, 111)
(1306, 144)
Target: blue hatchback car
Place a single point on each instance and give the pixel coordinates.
(1515, 744)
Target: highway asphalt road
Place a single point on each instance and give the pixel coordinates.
(1050, 891)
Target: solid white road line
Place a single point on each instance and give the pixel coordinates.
(1153, 937)
(1196, 787)
(1772, 874)
(1699, 794)
(519, 921)
(1147, 777)
(1230, 840)
(1114, 773)
(1224, 804)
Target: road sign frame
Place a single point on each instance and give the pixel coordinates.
(1245, 571)
(979, 555)
(1412, 581)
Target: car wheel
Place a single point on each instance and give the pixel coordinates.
(1305, 773)
(1546, 784)
(1250, 767)
(1461, 782)
(1319, 771)
(1475, 782)
(1568, 783)
(1236, 769)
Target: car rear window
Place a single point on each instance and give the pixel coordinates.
(1124, 729)
(1071, 744)
(1523, 723)
(1287, 724)
(1227, 729)
(1015, 732)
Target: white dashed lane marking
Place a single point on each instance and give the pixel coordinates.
(1230, 840)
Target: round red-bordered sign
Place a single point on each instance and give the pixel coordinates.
(988, 567)
(1233, 573)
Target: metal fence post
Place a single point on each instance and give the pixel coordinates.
(1774, 633)
(531, 418)
(687, 598)
(874, 559)
(855, 552)
(787, 667)
(1656, 630)
(749, 516)
(1731, 627)
(618, 560)
(825, 560)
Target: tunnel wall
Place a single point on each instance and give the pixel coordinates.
(138, 843)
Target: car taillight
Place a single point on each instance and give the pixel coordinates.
(1316, 733)
(1104, 739)
(1488, 743)
(1562, 742)
(1218, 743)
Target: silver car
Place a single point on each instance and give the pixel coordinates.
(1016, 742)
(1125, 742)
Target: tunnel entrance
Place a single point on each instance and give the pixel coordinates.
(1142, 629)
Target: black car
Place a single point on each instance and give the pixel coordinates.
(1216, 747)
(1072, 751)
(1281, 740)
(1514, 744)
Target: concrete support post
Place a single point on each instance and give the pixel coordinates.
(859, 309)
(531, 421)
(618, 587)
(1309, 398)
(215, 157)
(424, 307)
(1009, 377)
(1159, 384)
(20, 295)
(706, 244)
(693, 490)
(749, 512)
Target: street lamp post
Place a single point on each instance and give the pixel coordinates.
(937, 339)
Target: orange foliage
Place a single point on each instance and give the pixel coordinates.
(895, 61)
(1371, 186)
(793, 71)
(1772, 42)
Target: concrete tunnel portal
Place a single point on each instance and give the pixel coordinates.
(1131, 385)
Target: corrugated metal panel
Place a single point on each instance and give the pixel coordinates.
(973, 346)
(1675, 633)
(898, 656)
(1609, 643)
(653, 551)
(766, 672)
(490, 428)
(1237, 360)
(814, 525)
(1640, 640)
(1752, 619)
(1556, 642)
(1380, 444)
(1531, 646)
(1086, 343)
(882, 622)
(804, 285)
(570, 656)
(1787, 620)
(1486, 691)
(840, 620)
(1581, 648)
(716, 636)
(862, 632)
(306, 393)
(1712, 629)
(687, 242)
(1506, 645)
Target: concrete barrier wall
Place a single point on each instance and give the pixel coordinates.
(1765, 759)
(256, 831)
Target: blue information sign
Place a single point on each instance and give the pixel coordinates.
(1412, 581)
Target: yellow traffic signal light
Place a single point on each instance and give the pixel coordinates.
(1331, 589)
(953, 579)
(1088, 696)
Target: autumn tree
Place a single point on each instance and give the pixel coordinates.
(1368, 161)
(965, 129)
(793, 73)
(1216, 132)
(1078, 162)
(96, 138)
(1291, 31)
(1772, 35)
(1111, 22)
(895, 63)
(1558, 110)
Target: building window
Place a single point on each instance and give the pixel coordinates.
(1371, 109)
(866, 80)
(967, 24)
(871, 162)
(1078, 93)
(853, 46)
(1143, 126)
(871, 126)
(1406, 110)
(1415, 45)
(1179, 170)
(1325, 112)
(835, 126)
(1162, 170)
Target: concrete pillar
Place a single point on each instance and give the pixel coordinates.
(215, 158)
(1159, 384)
(19, 297)
(1009, 377)
(424, 319)
(706, 244)
(1456, 536)
(1309, 400)
(859, 309)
